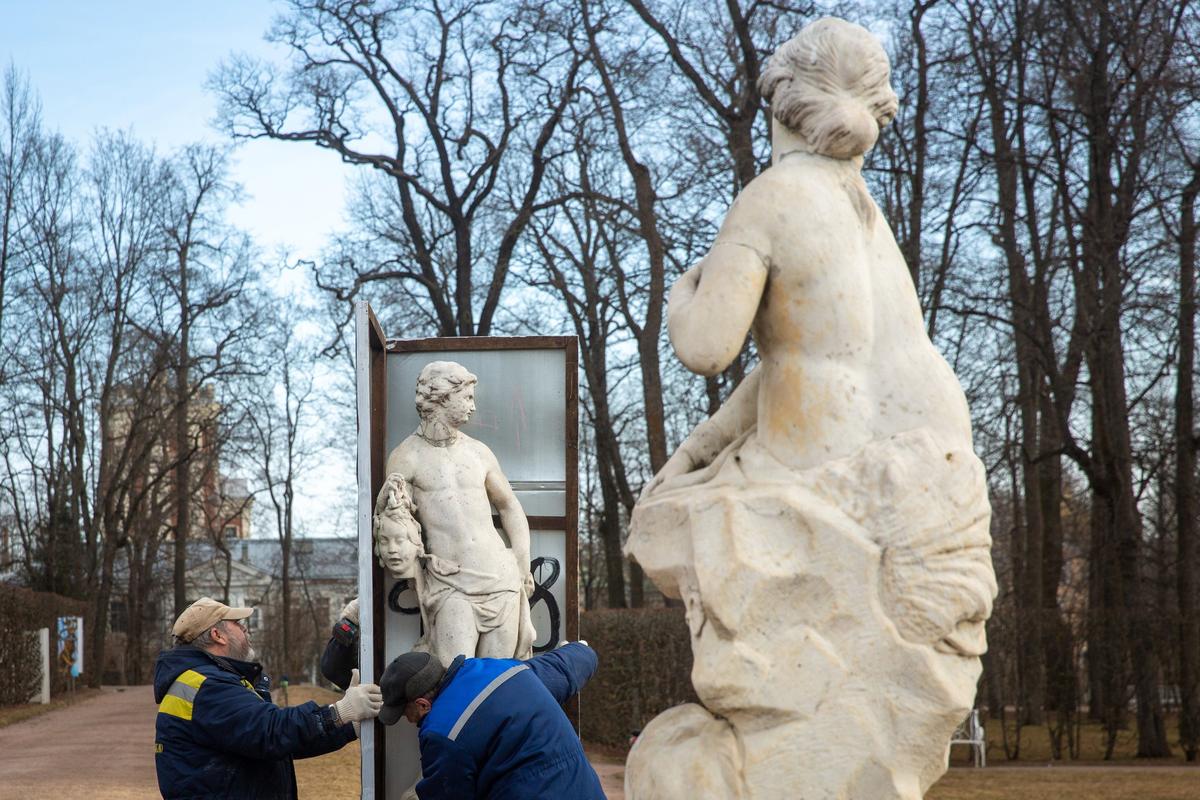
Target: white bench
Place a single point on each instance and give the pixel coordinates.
(970, 732)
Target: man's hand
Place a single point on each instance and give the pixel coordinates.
(359, 703)
(350, 612)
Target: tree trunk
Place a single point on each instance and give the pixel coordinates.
(99, 612)
(1185, 478)
(285, 586)
(649, 330)
(607, 464)
(1027, 549)
(134, 603)
(183, 487)
(920, 145)
(1058, 650)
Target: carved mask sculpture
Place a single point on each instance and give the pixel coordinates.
(397, 532)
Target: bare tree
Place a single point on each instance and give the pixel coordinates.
(20, 125)
(277, 421)
(205, 273)
(579, 248)
(452, 105)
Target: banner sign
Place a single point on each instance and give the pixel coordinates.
(70, 644)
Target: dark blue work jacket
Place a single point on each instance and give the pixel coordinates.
(219, 735)
(496, 730)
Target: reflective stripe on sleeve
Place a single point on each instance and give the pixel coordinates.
(191, 678)
(176, 707)
(479, 698)
(181, 695)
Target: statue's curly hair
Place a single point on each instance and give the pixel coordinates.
(437, 381)
(830, 84)
(395, 498)
(395, 502)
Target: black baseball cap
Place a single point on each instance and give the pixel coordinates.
(408, 677)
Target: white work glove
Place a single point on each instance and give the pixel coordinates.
(360, 702)
(564, 641)
(350, 612)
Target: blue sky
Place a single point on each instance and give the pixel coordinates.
(132, 64)
(142, 66)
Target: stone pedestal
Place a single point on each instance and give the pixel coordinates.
(836, 617)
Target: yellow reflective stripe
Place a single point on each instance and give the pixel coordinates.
(176, 707)
(191, 678)
(250, 686)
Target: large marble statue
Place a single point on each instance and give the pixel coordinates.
(433, 523)
(827, 529)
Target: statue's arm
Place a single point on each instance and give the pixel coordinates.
(706, 441)
(397, 463)
(713, 304)
(512, 516)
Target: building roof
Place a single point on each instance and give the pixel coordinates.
(325, 558)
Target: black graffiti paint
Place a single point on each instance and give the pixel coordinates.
(541, 594)
(394, 597)
(542, 582)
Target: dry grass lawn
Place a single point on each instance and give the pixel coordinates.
(1035, 744)
(336, 776)
(330, 777)
(1055, 783)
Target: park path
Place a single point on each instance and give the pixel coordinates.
(103, 749)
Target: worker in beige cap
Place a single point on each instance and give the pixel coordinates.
(217, 733)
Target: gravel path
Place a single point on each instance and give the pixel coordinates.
(101, 749)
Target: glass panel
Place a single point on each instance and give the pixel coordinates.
(520, 406)
(543, 503)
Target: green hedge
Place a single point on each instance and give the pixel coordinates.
(645, 667)
(22, 612)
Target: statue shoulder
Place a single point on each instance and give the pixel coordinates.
(789, 195)
(478, 447)
(799, 180)
(403, 458)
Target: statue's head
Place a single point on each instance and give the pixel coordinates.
(446, 392)
(397, 533)
(829, 84)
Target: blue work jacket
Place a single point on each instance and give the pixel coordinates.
(219, 735)
(496, 730)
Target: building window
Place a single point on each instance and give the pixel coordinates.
(231, 532)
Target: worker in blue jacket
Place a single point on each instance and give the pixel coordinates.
(217, 733)
(493, 728)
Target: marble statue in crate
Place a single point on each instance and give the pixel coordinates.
(433, 525)
(827, 528)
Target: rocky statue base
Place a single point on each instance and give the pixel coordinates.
(836, 616)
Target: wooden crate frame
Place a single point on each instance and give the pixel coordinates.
(371, 351)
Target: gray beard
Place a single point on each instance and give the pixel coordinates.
(242, 652)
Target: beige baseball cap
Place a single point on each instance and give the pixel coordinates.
(202, 615)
